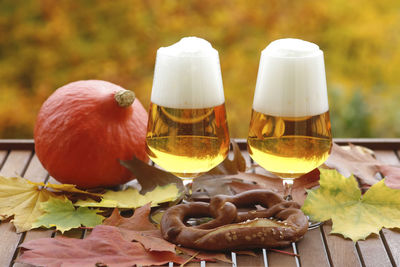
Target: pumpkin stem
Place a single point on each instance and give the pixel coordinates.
(124, 98)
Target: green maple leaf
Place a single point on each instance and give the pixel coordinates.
(61, 213)
(353, 216)
(131, 198)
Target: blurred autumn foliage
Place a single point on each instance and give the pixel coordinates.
(45, 44)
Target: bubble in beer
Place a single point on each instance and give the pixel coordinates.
(187, 75)
(291, 80)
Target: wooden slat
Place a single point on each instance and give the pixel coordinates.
(36, 173)
(17, 144)
(276, 259)
(245, 260)
(311, 249)
(342, 251)
(222, 264)
(195, 264)
(15, 165)
(373, 252)
(391, 239)
(3, 155)
(372, 143)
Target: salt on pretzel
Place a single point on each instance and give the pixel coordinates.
(232, 230)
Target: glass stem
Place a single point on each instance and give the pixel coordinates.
(287, 187)
(188, 188)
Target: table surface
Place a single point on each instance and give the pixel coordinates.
(317, 248)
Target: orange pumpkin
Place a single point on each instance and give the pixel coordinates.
(84, 128)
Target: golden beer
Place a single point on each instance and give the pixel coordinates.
(289, 146)
(187, 142)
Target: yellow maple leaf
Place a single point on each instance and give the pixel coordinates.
(65, 188)
(21, 199)
(131, 198)
(353, 216)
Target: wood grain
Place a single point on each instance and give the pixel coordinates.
(342, 251)
(391, 239)
(372, 143)
(14, 166)
(373, 252)
(36, 173)
(276, 259)
(383, 250)
(246, 260)
(311, 249)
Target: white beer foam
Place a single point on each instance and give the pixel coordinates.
(188, 75)
(291, 80)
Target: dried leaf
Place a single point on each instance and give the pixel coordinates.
(205, 255)
(130, 198)
(234, 184)
(354, 160)
(61, 213)
(21, 199)
(105, 245)
(213, 185)
(392, 175)
(354, 216)
(139, 228)
(70, 190)
(150, 177)
(228, 166)
(139, 221)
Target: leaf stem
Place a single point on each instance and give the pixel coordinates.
(191, 258)
(284, 252)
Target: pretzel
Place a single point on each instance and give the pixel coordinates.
(232, 230)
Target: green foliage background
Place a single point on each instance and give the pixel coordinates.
(45, 44)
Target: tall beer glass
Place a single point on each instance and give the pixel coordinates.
(290, 130)
(187, 132)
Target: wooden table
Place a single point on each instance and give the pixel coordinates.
(317, 248)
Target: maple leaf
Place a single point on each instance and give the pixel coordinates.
(149, 177)
(139, 228)
(61, 213)
(21, 199)
(105, 245)
(139, 221)
(360, 162)
(70, 188)
(353, 216)
(73, 193)
(130, 198)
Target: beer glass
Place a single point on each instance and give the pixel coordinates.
(290, 130)
(187, 131)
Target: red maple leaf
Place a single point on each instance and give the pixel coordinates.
(105, 245)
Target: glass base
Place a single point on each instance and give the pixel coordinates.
(187, 183)
(313, 224)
